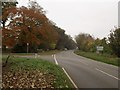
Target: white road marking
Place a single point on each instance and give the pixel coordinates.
(107, 74)
(65, 72)
(55, 60)
(70, 78)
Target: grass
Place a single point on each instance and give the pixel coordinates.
(106, 58)
(62, 81)
(50, 52)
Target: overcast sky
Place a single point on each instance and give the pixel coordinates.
(96, 17)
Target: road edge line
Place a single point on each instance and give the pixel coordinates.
(65, 72)
(69, 78)
(56, 62)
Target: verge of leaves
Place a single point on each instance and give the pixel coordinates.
(27, 79)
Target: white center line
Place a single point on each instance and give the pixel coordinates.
(70, 78)
(55, 59)
(107, 74)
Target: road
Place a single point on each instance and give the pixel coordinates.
(86, 73)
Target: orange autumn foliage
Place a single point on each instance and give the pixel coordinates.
(27, 25)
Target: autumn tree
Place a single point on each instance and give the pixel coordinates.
(84, 41)
(50, 37)
(44, 33)
(29, 26)
(8, 10)
(23, 26)
(29, 23)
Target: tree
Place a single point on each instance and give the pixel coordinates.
(64, 40)
(114, 40)
(61, 40)
(8, 10)
(102, 42)
(29, 25)
(24, 25)
(69, 43)
(84, 41)
(50, 37)
(7, 7)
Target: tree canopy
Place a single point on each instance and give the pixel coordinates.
(84, 41)
(22, 26)
(114, 40)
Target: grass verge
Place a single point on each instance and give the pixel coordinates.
(19, 70)
(50, 52)
(100, 57)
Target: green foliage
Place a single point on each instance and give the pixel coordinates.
(84, 41)
(114, 40)
(64, 41)
(106, 58)
(103, 42)
(52, 46)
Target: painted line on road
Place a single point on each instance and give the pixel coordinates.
(70, 78)
(107, 74)
(56, 62)
(65, 72)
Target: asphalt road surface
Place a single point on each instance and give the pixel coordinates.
(86, 73)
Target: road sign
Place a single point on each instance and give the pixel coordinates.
(99, 48)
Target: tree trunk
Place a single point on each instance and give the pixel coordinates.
(6, 61)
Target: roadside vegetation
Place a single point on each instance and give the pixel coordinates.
(33, 73)
(29, 33)
(109, 47)
(106, 58)
(27, 30)
(50, 52)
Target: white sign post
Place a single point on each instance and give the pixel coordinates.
(27, 47)
(99, 48)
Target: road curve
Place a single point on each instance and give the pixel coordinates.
(84, 72)
(88, 73)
